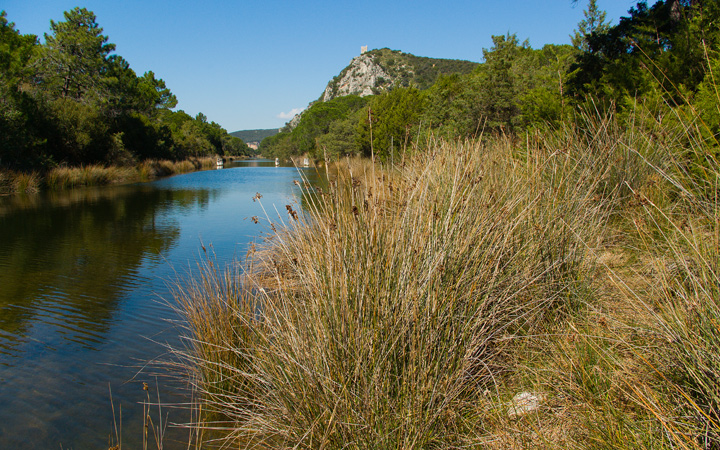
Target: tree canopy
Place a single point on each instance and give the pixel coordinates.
(73, 101)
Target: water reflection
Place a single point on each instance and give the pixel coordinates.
(67, 258)
(82, 274)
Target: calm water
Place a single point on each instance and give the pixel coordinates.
(83, 292)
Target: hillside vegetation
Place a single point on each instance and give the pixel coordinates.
(655, 59)
(404, 70)
(254, 135)
(525, 284)
(515, 87)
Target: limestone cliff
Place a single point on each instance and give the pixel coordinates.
(363, 76)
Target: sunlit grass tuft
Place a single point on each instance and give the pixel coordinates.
(389, 314)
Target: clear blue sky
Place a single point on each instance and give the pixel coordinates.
(247, 64)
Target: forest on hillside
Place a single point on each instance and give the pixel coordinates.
(72, 101)
(254, 135)
(657, 59)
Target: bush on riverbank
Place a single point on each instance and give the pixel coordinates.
(410, 305)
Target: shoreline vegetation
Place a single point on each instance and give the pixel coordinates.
(489, 293)
(97, 175)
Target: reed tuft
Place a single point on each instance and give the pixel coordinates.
(388, 314)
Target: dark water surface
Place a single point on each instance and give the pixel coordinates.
(83, 289)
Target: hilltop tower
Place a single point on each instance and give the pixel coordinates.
(363, 49)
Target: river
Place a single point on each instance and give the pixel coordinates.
(84, 296)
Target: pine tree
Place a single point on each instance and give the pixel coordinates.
(75, 56)
(594, 22)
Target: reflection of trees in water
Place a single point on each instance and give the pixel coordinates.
(70, 255)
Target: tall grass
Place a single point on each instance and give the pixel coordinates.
(19, 182)
(404, 306)
(389, 314)
(150, 169)
(684, 303)
(93, 175)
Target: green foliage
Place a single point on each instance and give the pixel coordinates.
(152, 93)
(341, 139)
(594, 22)
(405, 70)
(18, 142)
(542, 99)
(418, 71)
(707, 100)
(81, 134)
(453, 106)
(655, 48)
(16, 50)
(501, 80)
(70, 101)
(254, 135)
(193, 137)
(276, 146)
(515, 88)
(392, 119)
(74, 57)
(657, 60)
(316, 123)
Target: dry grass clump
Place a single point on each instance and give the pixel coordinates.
(92, 175)
(151, 168)
(685, 305)
(390, 312)
(97, 175)
(641, 367)
(19, 182)
(28, 183)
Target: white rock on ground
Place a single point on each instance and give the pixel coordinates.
(523, 403)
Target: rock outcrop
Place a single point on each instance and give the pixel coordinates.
(363, 76)
(383, 69)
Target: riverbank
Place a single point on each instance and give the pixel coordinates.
(97, 175)
(559, 291)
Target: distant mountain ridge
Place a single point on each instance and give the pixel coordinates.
(249, 136)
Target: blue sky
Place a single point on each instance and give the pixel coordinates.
(248, 64)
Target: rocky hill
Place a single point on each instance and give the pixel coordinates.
(379, 70)
(383, 69)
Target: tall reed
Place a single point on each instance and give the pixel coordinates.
(684, 304)
(386, 315)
